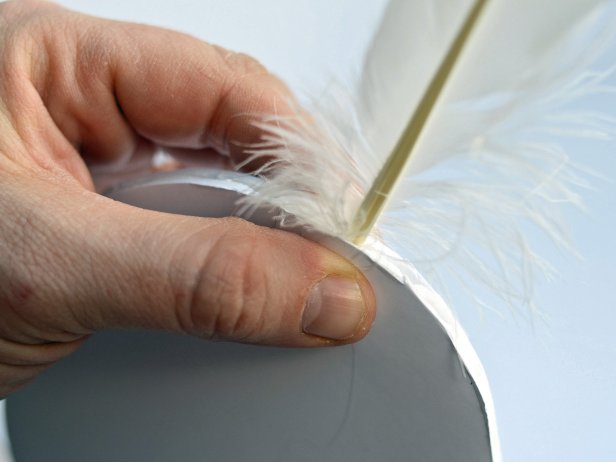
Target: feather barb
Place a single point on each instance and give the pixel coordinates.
(373, 203)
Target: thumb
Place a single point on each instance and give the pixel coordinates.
(217, 278)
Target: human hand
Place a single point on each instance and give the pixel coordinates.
(73, 262)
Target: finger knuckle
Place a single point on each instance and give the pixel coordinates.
(242, 63)
(228, 294)
(23, 24)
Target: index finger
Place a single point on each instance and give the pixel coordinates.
(176, 90)
(108, 83)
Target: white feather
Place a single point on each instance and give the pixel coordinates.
(484, 173)
(411, 42)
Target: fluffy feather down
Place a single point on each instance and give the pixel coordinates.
(492, 164)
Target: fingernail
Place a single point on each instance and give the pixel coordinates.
(335, 308)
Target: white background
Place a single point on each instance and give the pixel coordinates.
(553, 382)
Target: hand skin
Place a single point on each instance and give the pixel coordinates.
(73, 262)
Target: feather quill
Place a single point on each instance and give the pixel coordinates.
(383, 185)
(484, 172)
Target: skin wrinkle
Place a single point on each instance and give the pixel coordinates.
(106, 287)
(219, 119)
(8, 126)
(205, 266)
(28, 119)
(209, 74)
(150, 277)
(215, 119)
(78, 85)
(228, 303)
(249, 68)
(186, 313)
(111, 48)
(175, 263)
(253, 297)
(56, 88)
(222, 287)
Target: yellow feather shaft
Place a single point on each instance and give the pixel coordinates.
(374, 202)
